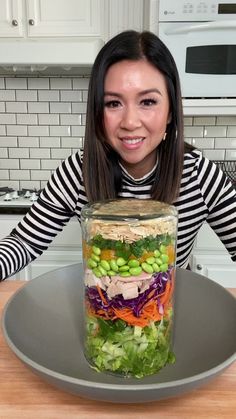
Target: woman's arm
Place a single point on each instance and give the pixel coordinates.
(58, 202)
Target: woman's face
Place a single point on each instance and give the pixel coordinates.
(136, 113)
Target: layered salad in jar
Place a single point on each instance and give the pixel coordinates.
(129, 273)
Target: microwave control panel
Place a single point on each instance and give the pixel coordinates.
(190, 11)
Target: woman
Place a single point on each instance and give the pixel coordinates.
(134, 147)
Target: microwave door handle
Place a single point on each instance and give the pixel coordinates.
(206, 26)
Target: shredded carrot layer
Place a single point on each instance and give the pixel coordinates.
(148, 313)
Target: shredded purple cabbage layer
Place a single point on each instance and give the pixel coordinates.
(157, 285)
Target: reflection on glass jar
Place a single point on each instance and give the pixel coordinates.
(129, 249)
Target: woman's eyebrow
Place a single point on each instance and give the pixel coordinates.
(143, 92)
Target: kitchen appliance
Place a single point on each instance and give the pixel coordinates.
(229, 167)
(10, 198)
(201, 36)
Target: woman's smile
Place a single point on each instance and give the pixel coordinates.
(136, 113)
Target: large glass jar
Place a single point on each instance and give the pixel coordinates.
(129, 272)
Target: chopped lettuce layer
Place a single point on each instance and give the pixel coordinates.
(128, 350)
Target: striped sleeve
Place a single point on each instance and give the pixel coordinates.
(206, 194)
(57, 203)
(220, 197)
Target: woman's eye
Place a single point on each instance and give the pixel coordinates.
(148, 102)
(112, 104)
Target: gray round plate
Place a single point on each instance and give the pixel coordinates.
(43, 325)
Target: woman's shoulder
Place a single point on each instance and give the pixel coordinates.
(196, 159)
(74, 160)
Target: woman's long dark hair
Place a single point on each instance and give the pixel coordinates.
(101, 171)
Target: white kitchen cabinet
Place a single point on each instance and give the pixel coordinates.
(47, 18)
(11, 13)
(210, 258)
(64, 17)
(66, 248)
(70, 18)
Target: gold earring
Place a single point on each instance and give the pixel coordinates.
(164, 137)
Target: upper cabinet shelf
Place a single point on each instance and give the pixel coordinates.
(209, 106)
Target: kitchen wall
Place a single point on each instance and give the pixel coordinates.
(42, 121)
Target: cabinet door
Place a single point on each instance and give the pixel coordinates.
(219, 268)
(64, 17)
(11, 18)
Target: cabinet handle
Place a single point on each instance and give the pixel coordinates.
(14, 22)
(31, 22)
(199, 267)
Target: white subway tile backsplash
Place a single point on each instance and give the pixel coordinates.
(230, 155)
(38, 130)
(83, 119)
(7, 118)
(48, 96)
(50, 142)
(81, 83)
(3, 152)
(40, 153)
(231, 131)
(214, 154)
(42, 121)
(38, 83)
(85, 96)
(72, 142)
(30, 163)
(59, 131)
(16, 107)
(188, 120)
(226, 120)
(26, 119)
(78, 131)
(4, 174)
(191, 131)
(60, 83)
(16, 83)
(48, 119)
(50, 164)
(40, 174)
(225, 143)
(7, 95)
(70, 119)
(2, 130)
(30, 184)
(71, 96)
(9, 164)
(32, 142)
(38, 107)
(20, 174)
(216, 131)
(204, 120)
(26, 95)
(17, 130)
(18, 153)
(60, 153)
(202, 143)
(60, 107)
(79, 107)
(10, 183)
(8, 141)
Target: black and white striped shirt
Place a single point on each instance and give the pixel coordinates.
(206, 194)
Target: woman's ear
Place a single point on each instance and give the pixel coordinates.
(169, 118)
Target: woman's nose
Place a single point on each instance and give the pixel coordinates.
(130, 118)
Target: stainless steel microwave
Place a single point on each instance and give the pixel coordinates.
(201, 36)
